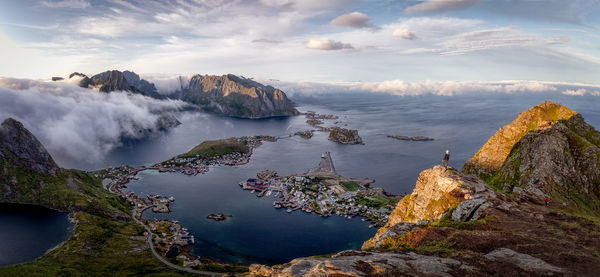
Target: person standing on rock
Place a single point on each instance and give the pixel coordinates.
(445, 160)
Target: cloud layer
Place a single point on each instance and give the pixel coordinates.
(76, 123)
(442, 88)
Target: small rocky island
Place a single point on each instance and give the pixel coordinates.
(218, 216)
(344, 136)
(416, 138)
(307, 134)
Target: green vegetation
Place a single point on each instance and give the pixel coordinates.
(376, 201)
(215, 148)
(101, 244)
(352, 186)
(68, 190)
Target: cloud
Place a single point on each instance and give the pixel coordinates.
(80, 124)
(430, 6)
(581, 92)
(486, 39)
(354, 20)
(442, 88)
(266, 40)
(327, 44)
(167, 84)
(72, 4)
(403, 33)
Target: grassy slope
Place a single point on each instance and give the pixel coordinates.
(213, 148)
(101, 243)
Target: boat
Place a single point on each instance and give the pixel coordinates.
(371, 226)
(268, 193)
(289, 210)
(252, 191)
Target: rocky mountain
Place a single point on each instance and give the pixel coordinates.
(235, 96)
(29, 175)
(493, 153)
(227, 95)
(21, 148)
(491, 218)
(114, 80)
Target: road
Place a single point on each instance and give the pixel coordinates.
(160, 258)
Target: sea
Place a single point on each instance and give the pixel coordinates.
(259, 233)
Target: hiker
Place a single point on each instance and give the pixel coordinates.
(548, 201)
(445, 160)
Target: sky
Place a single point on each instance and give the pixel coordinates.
(372, 41)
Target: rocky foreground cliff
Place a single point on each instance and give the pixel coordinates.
(226, 95)
(491, 218)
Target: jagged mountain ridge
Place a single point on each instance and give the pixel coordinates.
(227, 94)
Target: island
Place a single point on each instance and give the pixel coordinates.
(345, 136)
(305, 134)
(322, 191)
(218, 216)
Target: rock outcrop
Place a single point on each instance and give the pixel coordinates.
(19, 147)
(344, 136)
(494, 152)
(437, 191)
(365, 263)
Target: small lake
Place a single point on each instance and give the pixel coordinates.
(27, 232)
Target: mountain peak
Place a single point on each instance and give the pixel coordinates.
(493, 153)
(19, 146)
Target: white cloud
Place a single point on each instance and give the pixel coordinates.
(443, 88)
(581, 92)
(404, 34)
(77, 123)
(354, 20)
(327, 44)
(429, 6)
(72, 4)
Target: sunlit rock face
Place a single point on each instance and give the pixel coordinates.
(494, 152)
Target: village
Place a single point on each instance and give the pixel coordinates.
(170, 239)
(231, 152)
(322, 191)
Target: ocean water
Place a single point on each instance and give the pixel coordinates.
(27, 232)
(259, 233)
